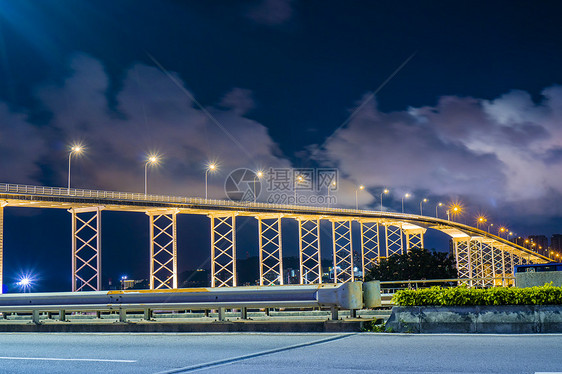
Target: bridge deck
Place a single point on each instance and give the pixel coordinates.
(13, 195)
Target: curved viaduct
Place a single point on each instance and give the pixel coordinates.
(479, 254)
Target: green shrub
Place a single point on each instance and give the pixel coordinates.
(439, 296)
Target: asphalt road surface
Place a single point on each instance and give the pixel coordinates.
(279, 353)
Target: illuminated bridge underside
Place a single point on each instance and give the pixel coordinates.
(478, 253)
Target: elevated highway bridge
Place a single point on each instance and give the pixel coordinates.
(479, 255)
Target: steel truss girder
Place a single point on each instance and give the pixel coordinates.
(414, 238)
(485, 257)
(86, 249)
(509, 262)
(343, 251)
(310, 271)
(163, 250)
(498, 261)
(463, 259)
(394, 240)
(517, 260)
(270, 251)
(370, 245)
(223, 250)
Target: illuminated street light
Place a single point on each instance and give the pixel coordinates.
(490, 225)
(151, 160)
(421, 206)
(25, 282)
(407, 195)
(361, 188)
(436, 212)
(211, 168)
(77, 149)
(258, 175)
(501, 230)
(385, 191)
(455, 209)
(481, 220)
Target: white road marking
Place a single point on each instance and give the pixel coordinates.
(66, 359)
(233, 360)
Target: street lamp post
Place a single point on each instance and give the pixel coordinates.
(455, 209)
(405, 196)
(333, 184)
(436, 212)
(361, 187)
(385, 191)
(75, 149)
(298, 180)
(211, 167)
(421, 206)
(490, 225)
(258, 175)
(151, 161)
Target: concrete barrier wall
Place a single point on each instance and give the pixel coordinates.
(505, 319)
(532, 279)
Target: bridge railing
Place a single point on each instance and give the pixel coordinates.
(135, 196)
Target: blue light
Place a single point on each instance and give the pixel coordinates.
(26, 281)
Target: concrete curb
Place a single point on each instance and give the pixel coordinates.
(500, 319)
(202, 327)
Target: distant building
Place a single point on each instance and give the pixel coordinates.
(519, 241)
(556, 242)
(540, 244)
(136, 284)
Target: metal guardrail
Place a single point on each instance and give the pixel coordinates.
(349, 296)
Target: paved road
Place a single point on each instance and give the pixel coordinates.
(279, 353)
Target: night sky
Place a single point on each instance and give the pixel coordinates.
(449, 101)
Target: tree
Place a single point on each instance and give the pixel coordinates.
(414, 265)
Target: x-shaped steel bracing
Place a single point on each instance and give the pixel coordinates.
(463, 258)
(270, 251)
(163, 250)
(309, 251)
(370, 245)
(343, 251)
(394, 241)
(86, 249)
(223, 250)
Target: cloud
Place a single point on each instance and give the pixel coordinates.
(152, 115)
(240, 100)
(272, 12)
(21, 148)
(505, 150)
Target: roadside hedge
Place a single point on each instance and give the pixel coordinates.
(439, 296)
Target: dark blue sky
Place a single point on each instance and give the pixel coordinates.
(475, 115)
